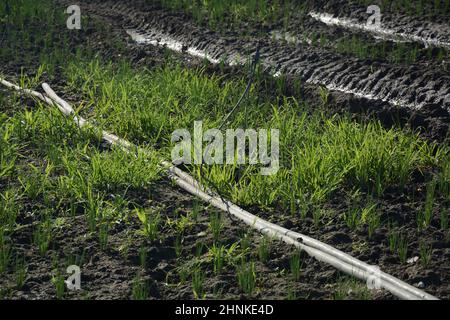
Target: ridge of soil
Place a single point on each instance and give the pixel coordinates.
(416, 95)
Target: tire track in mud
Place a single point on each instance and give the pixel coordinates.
(400, 30)
(400, 85)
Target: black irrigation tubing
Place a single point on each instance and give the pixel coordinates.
(253, 66)
(247, 89)
(317, 249)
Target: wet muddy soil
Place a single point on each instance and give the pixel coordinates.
(418, 94)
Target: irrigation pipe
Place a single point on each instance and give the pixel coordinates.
(28, 92)
(312, 247)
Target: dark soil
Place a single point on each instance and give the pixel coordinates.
(426, 23)
(396, 210)
(111, 273)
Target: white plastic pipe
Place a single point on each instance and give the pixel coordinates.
(27, 92)
(266, 227)
(313, 247)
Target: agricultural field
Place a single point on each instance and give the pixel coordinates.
(105, 202)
